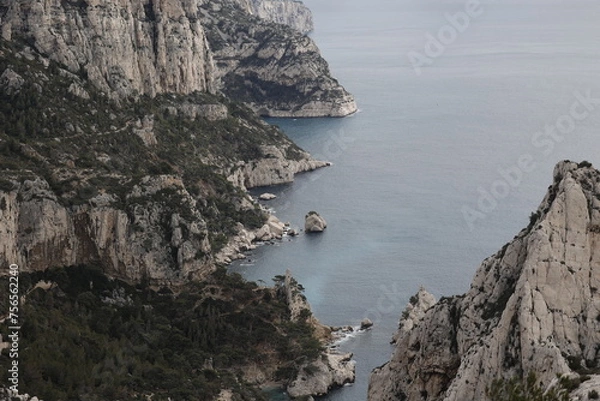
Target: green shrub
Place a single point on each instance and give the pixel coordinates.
(517, 389)
(79, 346)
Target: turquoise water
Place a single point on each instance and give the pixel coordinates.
(426, 149)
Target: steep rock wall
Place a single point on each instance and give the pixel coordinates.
(277, 71)
(148, 47)
(127, 47)
(532, 307)
(151, 240)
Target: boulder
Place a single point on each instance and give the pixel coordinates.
(267, 196)
(366, 323)
(263, 234)
(314, 223)
(318, 377)
(276, 227)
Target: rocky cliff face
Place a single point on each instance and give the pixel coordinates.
(148, 47)
(292, 13)
(138, 188)
(125, 47)
(532, 307)
(275, 168)
(277, 71)
(153, 240)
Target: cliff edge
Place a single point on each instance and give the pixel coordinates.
(132, 48)
(534, 306)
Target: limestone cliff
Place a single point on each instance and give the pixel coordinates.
(138, 187)
(125, 47)
(276, 70)
(149, 47)
(532, 307)
(275, 168)
(292, 13)
(153, 241)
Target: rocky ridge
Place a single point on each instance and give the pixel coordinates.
(532, 307)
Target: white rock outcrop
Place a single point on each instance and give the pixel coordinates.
(150, 241)
(314, 223)
(273, 168)
(245, 240)
(292, 13)
(414, 312)
(11, 82)
(267, 196)
(125, 47)
(533, 307)
(319, 377)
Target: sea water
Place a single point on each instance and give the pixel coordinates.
(446, 159)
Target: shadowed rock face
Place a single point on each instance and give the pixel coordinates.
(276, 70)
(533, 307)
(148, 47)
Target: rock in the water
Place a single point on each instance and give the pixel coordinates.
(366, 323)
(314, 223)
(267, 196)
(532, 307)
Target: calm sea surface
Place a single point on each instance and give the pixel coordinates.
(442, 165)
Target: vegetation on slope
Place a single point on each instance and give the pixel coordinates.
(88, 145)
(91, 338)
